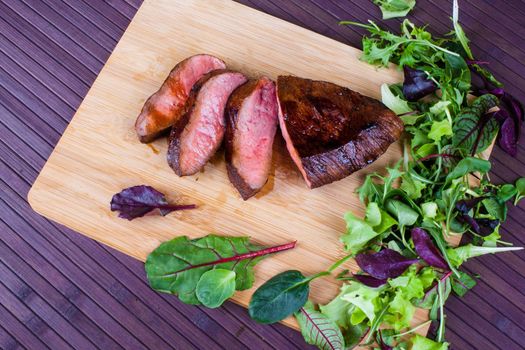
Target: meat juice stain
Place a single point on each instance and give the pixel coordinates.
(156, 151)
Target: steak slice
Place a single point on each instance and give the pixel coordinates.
(166, 105)
(197, 135)
(332, 131)
(251, 123)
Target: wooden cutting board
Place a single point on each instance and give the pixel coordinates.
(99, 153)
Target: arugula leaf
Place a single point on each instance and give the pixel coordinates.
(215, 287)
(395, 8)
(279, 297)
(317, 329)
(176, 266)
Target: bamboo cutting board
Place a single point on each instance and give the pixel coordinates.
(99, 153)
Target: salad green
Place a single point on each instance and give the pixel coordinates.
(440, 188)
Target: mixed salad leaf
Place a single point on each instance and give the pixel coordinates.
(440, 188)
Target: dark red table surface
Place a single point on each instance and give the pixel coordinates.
(59, 289)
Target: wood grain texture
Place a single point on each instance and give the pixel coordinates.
(37, 59)
(99, 154)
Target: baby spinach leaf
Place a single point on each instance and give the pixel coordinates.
(468, 165)
(137, 201)
(215, 287)
(279, 297)
(317, 329)
(386, 263)
(520, 187)
(176, 266)
(475, 129)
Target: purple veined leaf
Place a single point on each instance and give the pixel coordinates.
(384, 264)
(507, 138)
(137, 201)
(427, 250)
(370, 281)
(417, 84)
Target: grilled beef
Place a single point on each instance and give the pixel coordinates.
(332, 131)
(197, 135)
(166, 105)
(251, 122)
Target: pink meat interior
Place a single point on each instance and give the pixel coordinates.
(204, 132)
(254, 134)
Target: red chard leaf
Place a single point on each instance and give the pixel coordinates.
(370, 281)
(137, 201)
(385, 264)
(426, 249)
(507, 138)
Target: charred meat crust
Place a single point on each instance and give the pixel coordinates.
(231, 112)
(150, 118)
(335, 131)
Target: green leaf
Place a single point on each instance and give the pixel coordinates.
(462, 284)
(429, 209)
(386, 222)
(363, 298)
(279, 297)
(215, 287)
(439, 108)
(406, 216)
(426, 149)
(368, 190)
(393, 102)
(395, 8)
(507, 192)
(495, 208)
(411, 186)
(421, 343)
(520, 187)
(373, 214)
(474, 130)
(461, 254)
(440, 129)
(339, 310)
(458, 30)
(468, 165)
(358, 233)
(400, 312)
(317, 329)
(176, 266)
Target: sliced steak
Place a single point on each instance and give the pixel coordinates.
(332, 131)
(197, 135)
(251, 122)
(166, 105)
